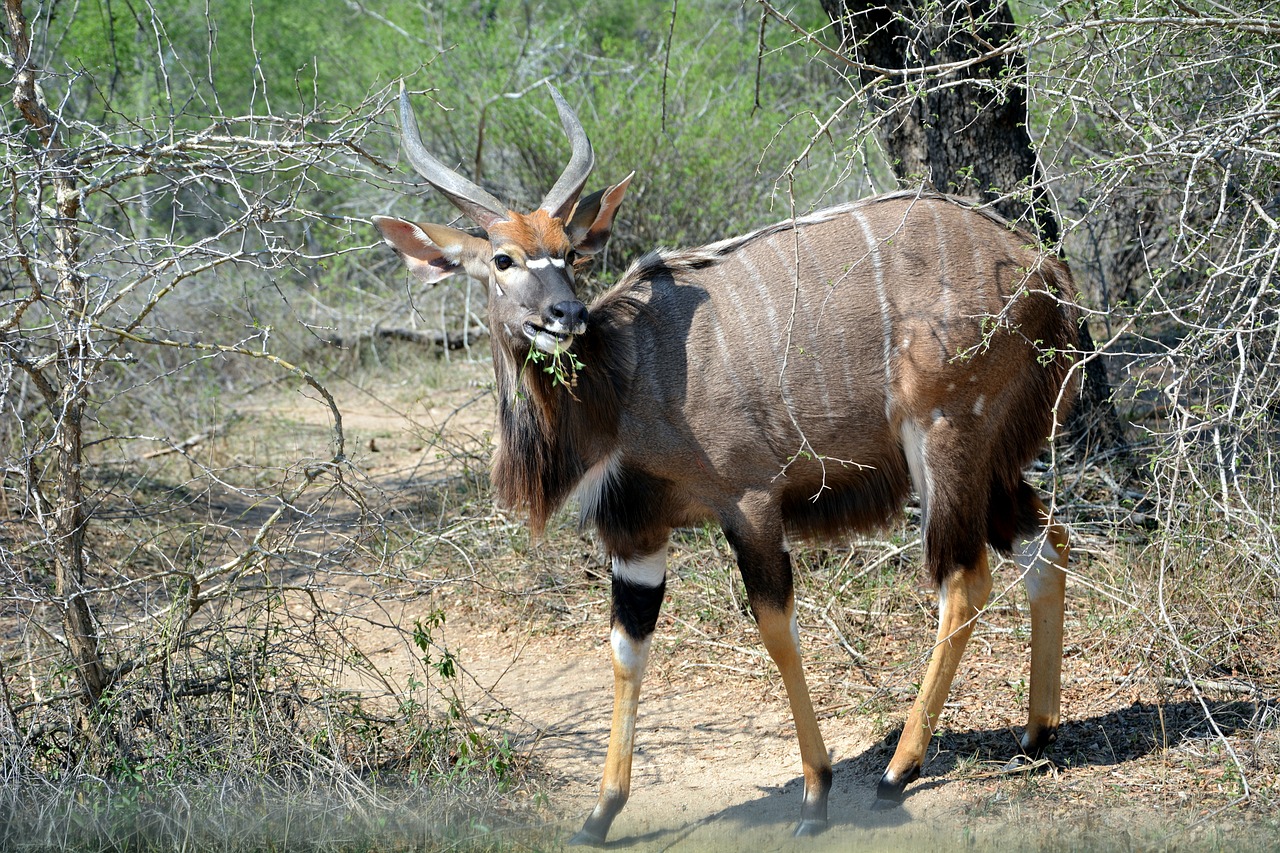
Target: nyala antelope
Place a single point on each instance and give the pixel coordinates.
(797, 382)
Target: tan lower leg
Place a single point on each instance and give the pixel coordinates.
(964, 594)
(629, 659)
(780, 637)
(1044, 563)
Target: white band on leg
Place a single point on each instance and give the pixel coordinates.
(648, 571)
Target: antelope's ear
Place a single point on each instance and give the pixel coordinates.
(592, 219)
(435, 252)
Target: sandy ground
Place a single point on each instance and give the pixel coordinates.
(717, 766)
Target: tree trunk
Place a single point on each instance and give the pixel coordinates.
(65, 394)
(965, 131)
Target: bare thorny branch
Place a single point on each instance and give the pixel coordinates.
(97, 269)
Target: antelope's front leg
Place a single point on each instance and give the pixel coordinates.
(781, 638)
(766, 572)
(638, 587)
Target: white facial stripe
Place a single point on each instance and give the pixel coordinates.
(649, 570)
(541, 263)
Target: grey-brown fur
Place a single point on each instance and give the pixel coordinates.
(797, 381)
(701, 404)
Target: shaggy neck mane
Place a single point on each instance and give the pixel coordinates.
(550, 433)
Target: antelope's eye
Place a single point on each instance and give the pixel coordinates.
(502, 262)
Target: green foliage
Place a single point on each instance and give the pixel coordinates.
(562, 366)
(706, 139)
(707, 125)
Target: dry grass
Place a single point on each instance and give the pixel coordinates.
(1170, 683)
(315, 691)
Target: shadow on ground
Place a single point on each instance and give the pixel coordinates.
(859, 821)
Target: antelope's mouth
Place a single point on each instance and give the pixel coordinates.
(550, 341)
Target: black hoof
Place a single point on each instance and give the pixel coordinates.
(587, 838)
(810, 827)
(1035, 747)
(892, 789)
(596, 828)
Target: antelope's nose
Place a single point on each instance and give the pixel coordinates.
(571, 315)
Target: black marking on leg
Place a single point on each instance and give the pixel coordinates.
(1013, 514)
(767, 575)
(631, 512)
(636, 607)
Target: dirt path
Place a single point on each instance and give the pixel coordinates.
(715, 758)
(716, 755)
(717, 766)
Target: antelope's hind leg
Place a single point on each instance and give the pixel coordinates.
(767, 576)
(1042, 557)
(638, 587)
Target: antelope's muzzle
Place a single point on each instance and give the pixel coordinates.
(560, 323)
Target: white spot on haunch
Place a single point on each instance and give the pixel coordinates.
(979, 405)
(1037, 557)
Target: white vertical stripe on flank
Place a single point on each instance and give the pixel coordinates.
(838, 357)
(772, 331)
(804, 322)
(944, 283)
(738, 346)
(727, 357)
(882, 295)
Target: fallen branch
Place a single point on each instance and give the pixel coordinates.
(190, 442)
(425, 337)
(1186, 684)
